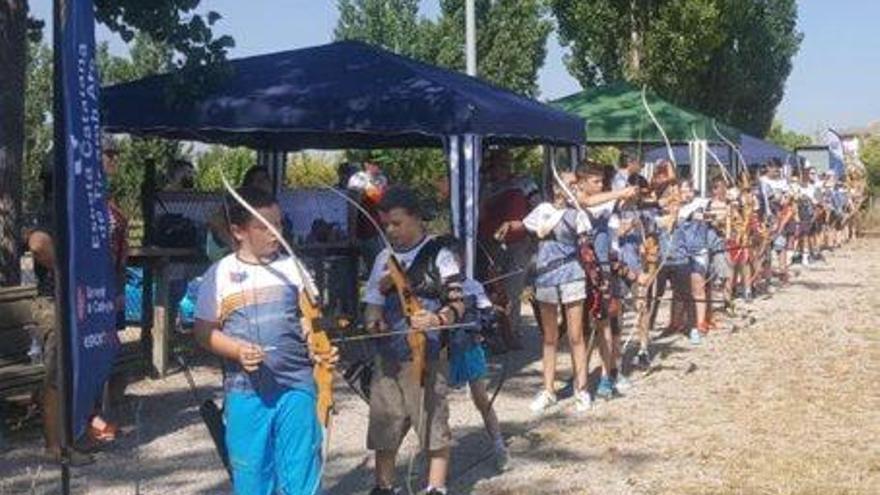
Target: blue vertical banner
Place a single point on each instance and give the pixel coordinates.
(835, 149)
(88, 274)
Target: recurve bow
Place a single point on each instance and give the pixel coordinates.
(317, 339)
(410, 304)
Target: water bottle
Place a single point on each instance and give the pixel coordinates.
(28, 277)
(36, 351)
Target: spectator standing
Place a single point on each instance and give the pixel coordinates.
(504, 197)
(369, 186)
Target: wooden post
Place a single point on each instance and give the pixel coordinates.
(161, 338)
(148, 189)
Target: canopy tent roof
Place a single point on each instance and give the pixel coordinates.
(341, 95)
(615, 114)
(754, 150)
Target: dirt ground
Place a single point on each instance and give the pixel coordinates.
(789, 404)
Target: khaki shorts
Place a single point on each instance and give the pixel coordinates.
(394, 406)
(566, 293)
(43, 310)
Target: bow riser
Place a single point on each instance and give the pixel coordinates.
(410, 305)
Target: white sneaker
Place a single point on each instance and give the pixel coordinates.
(542, 401)
(622, 384)
(805, 259)
(582, 401)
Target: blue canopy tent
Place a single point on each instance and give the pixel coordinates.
(348, 95)
(754, 150)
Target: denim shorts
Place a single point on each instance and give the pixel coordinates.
(565, 293)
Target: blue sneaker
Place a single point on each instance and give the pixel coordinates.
(605, 389)
(695, 337)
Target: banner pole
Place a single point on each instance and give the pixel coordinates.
(62, 248)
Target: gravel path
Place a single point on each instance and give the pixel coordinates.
(786, 405)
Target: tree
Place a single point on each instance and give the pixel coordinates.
(146, 57)
(745, 80)
(37, 128)
(173, 21)
(606, 38)
(870, 156)
(394, 25)
(606, 155)
(786, 139)
(13, 54)
(234, 162)
(391, 24)
(311, 169)
(511, 41)
(727, 58)
(511, 48)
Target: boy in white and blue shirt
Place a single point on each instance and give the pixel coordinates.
(248, 313)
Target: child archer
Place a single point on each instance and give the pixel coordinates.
(248, 313)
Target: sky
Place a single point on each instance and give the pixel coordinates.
(835, 81)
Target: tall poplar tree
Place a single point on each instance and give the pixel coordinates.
(726, 58)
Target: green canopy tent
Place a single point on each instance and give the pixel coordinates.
(616, 116)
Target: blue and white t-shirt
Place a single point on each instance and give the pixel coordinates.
(259, 303)
(558, 231)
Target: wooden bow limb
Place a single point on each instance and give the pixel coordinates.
(730, 143)
(670, 153)
(787, 216)
(673, 172)
(410, 304)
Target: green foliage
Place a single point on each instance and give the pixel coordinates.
(680, 42)
(146, 57)
(606, 155)
(134, 155)
(37, 127)
(528, 161)
(745, 80)
(311, 169)
(174, 24)
(233, 162)
(511, 41)
(786, 139)
(392, 24)
(606, 37)
(726, 58)
(420, 168)
(511, 48)
(870, 156)
(186, 43)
